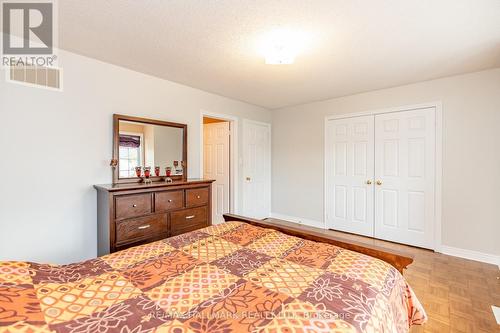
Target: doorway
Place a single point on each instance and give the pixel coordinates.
(217, 161)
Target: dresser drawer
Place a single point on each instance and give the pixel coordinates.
(129, 231)
(165, 201)
(188, 220)
(129, 206)
(196, 197)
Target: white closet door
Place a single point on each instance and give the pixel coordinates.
(404, 174)
(349, 172)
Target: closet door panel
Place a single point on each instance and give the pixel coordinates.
(349, 166)
(404, 177)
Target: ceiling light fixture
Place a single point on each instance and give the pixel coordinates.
(281, 46)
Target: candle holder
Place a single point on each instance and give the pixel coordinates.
(138, 171)
(168, 173)
(176, 164)
(147, 174)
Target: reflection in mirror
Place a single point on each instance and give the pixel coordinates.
(148, 145)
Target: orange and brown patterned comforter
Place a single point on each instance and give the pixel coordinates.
(231, 277)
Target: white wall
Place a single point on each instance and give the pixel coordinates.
(56, 145)
(168, 146)
(471, 154)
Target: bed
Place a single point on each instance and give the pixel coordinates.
(240, 276)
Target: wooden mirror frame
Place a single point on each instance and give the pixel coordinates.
(116, 142)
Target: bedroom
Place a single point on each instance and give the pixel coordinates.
(298, 73)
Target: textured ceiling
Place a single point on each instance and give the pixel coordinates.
(354, 46)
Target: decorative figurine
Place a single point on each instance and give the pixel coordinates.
(183, 165)
(157, 171)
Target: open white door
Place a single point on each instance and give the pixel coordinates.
(256, 169)
(405, 145)
(349, 174)
(216, 166)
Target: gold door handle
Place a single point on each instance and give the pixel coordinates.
(142, 227)
(379, 182)
(369, 182)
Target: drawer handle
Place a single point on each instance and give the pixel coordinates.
(142, 227)
(170, 200)
(134, 205)
(198, 197)
(190, 217)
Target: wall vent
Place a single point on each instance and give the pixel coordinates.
(36, 76)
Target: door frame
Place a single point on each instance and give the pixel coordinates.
(269, 126)
(233, 154)
(438, 105)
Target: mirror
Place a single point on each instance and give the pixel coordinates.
(140, 142)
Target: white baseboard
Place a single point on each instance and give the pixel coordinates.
(471, 255)
(299, 220)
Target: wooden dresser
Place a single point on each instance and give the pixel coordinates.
(136, 213)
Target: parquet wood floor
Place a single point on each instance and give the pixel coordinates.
(456, 293)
